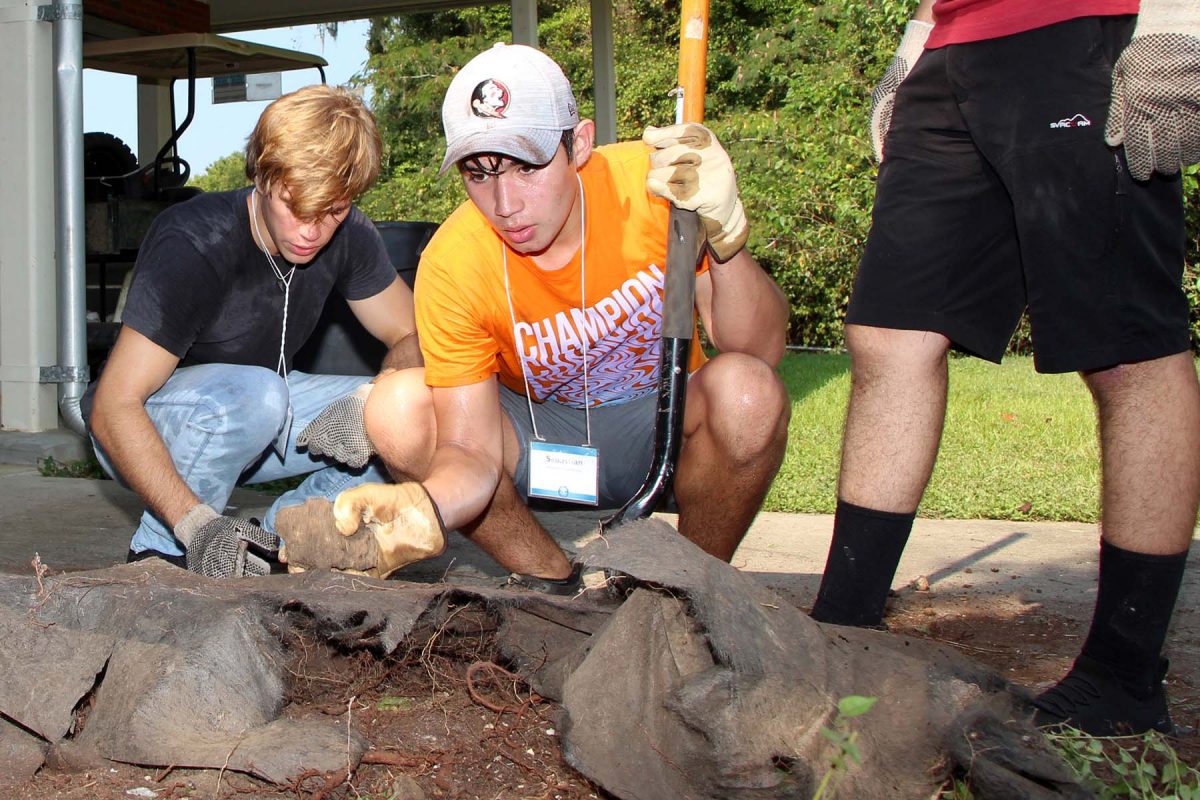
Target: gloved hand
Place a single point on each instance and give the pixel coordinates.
(373, 529)
(218, 546)
(339, 432)
(1155, 108)
(311, 540)
(883, 97)
(692, 171)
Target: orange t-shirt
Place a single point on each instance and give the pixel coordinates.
(467, 331)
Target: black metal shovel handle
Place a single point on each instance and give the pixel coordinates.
(679, 293)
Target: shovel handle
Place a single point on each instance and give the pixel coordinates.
(693, 58)
(684, 240)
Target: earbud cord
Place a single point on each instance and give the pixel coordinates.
(284, 280)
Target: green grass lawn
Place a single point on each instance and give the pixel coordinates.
(1017, 445)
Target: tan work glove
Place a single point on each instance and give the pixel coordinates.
(1155, 108)
(692, 171)
(339, 431)
(373, 529)
(883, 97)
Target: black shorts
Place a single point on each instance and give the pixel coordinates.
(997, 192)
(623, 434)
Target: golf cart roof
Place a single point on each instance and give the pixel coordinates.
(166, 56)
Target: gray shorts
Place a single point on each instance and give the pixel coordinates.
(622, 433)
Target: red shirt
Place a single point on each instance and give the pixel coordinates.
(959, 21)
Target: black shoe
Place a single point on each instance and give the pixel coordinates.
(561, 587)
(179, 561)
(1093, 699)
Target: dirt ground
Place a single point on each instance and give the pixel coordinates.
(446, 721)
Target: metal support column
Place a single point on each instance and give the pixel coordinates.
(605, 71)
(524, 22)
(27, 273)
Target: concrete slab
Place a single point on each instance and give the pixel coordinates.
(20, 447)
(72, 523)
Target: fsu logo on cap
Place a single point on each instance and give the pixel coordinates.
(489, 99)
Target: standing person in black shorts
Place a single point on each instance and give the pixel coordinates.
(1031, 159)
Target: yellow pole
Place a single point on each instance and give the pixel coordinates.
(693, 58)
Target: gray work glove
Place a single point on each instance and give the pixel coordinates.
(339, 432)
(218, 546)
(1155, 109)
(883, 97)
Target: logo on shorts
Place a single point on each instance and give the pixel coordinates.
(1077, 121)
(490, 99)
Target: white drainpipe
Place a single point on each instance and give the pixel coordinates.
(71, 373)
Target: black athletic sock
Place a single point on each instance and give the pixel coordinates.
(1134, 601)
(862, 561)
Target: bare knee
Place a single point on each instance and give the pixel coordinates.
(1130, 382)
(878, 354)
(744, 404)
(400, 422)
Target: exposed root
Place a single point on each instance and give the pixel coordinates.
(492, 672)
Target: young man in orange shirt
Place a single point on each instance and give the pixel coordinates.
(539, 307)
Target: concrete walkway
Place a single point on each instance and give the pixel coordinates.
(75, 524)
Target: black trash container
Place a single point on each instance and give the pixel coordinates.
(340, 345)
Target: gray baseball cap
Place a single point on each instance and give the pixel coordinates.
(510, 99)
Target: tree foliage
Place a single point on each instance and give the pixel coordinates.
(789, 85)
(223, 174)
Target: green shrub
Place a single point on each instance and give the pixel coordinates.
(789, 85)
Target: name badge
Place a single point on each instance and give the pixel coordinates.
(564, 472)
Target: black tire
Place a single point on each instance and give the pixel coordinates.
(105, 157)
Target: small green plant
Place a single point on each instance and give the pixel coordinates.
(279, 486)
(844, 741)
(89, 467)
(394, 704)
(955, 789)
(1143, 767)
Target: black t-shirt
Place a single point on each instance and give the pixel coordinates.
(205, 292)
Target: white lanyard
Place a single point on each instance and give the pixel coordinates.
(284, 280)
(587, 413)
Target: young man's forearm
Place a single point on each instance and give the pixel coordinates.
(749, 310)
(461, 482)
(405, 353)
(138, 454)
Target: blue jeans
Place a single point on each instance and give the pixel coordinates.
(219, 422)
